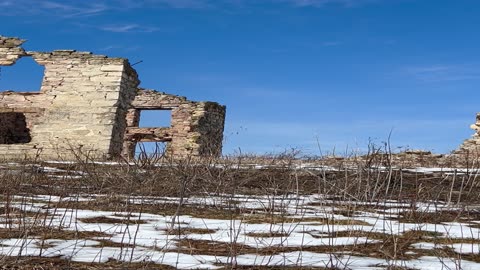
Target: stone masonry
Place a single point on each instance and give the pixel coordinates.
(91, 105)
(472, 145)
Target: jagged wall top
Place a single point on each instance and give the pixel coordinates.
(472, 145)
(10, 42)
(10, 50)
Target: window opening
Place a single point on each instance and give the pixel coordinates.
(155, 118)
(25, 75)
(13, 128)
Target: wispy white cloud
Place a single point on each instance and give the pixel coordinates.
(119, 48)
(128, 28)
(181, 3)
(121, 28)
(75, 8)
(322, 3)
(65, 9)
(442, 73)
(331, 43)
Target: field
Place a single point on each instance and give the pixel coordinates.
(377, 211)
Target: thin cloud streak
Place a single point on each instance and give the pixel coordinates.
(443, 73)
(331, 43)
(128, 28)
(323, 3)
(71, 8)
(64, 9)
(119, 48)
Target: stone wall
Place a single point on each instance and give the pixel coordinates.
(90, 104)
(208, 128)
(472, 145)
(10, 50)
(196, 127)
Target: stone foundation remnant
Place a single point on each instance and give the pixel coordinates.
(91, 104)
(472, 145)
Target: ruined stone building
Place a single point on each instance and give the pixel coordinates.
(472, 145)
(91, 104)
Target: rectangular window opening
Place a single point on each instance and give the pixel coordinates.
(13, 128)
(155, 118)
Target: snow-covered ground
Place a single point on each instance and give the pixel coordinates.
(309, 231)
(306, 222)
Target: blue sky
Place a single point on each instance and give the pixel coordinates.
(291, 72)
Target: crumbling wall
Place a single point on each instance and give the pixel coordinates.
(30, 104)
(91, 104)
(81, 101)
(90, 94)
(127, 94)
(472, 145)
(10, 50)
(196, 127)
(209, 126)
